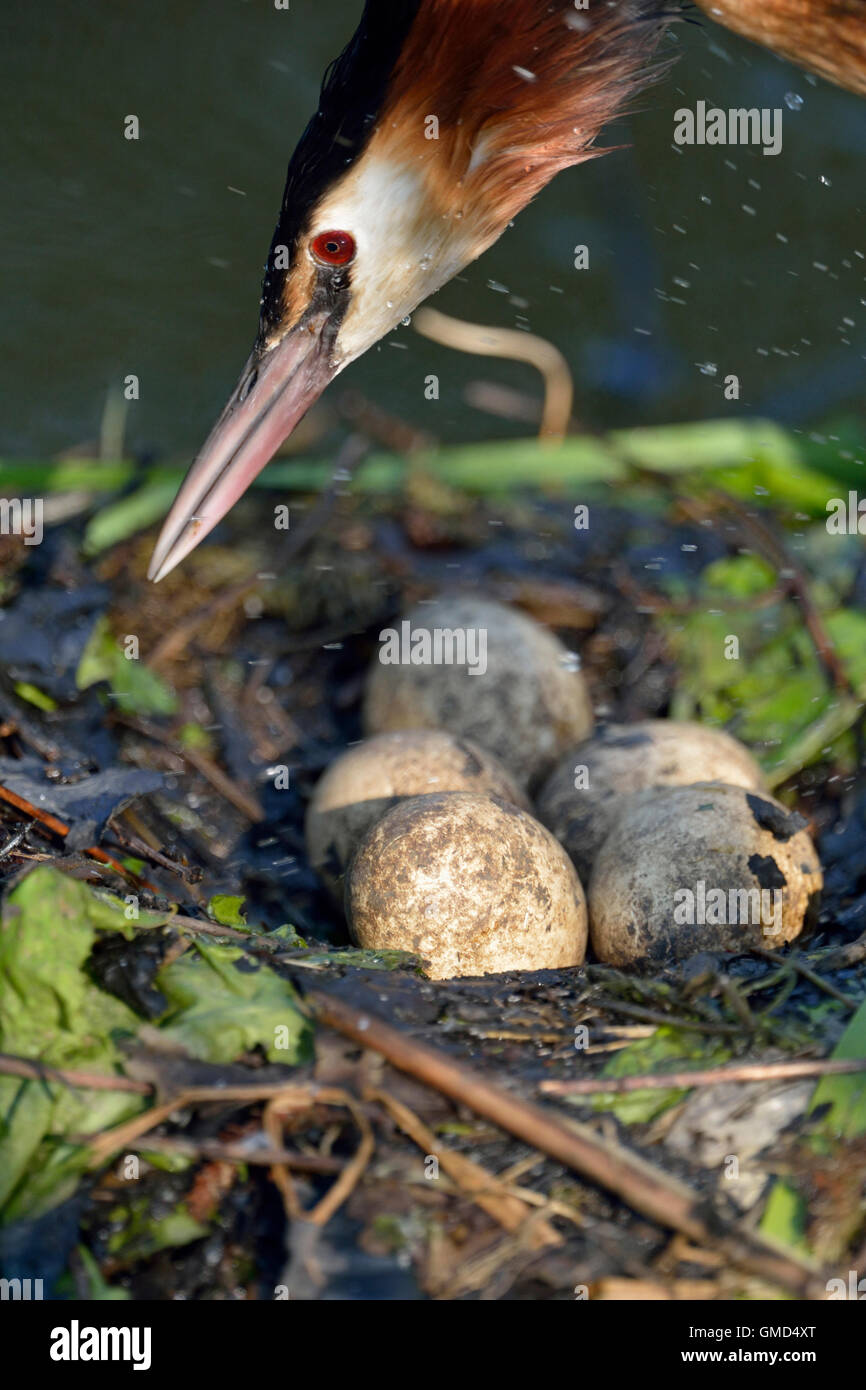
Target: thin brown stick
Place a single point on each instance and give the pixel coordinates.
(27, 808)
(230, 791)
(795, 963)
(179, 637)
(32, 1070)
(703, 1076)
(796, 581)
(192, 924)
(841, 957)
(122, 1136)
(59, 827)
(350, 1173)
(470, 1179)
(519, 347)
(640, 1184)
(133, 844)
(240, 1153)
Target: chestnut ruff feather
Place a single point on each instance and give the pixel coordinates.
(520, 90)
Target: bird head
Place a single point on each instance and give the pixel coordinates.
(441, 119)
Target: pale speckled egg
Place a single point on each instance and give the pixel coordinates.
(470, 883)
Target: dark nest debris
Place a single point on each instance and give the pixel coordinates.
(376, 1166)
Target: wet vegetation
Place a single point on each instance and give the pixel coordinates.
(207, 1092)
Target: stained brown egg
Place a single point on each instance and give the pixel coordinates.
(367, 780)
(470, 883)
(481, 671)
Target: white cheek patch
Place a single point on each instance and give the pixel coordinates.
(406, 250)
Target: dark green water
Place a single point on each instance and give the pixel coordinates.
(145, 256)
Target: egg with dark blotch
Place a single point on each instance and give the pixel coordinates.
(581, 800)
(701, 868)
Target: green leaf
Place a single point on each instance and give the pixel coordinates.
(845, 1095)
(193, 736)
(228, 911)
(127, 516)
(751, 458)
(785, 1216)
(218, 1011)
(740, 576)
(360, 959)
(51, 1010)
(776, 696)
(137, 689)
(286, 936)
(666, 1047)
(99, 1291)
(142, 1234)
(34, 696)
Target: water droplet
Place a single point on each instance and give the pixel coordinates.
(707, 368)
(826, 182)
(793, 101)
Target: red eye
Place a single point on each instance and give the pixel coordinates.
(333, 248)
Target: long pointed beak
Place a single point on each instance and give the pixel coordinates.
(276, 388)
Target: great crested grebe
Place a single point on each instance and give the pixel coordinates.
(436, 125)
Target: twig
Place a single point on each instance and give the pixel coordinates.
(33, 1070)
(243, 1153)
(350, 1174)
(179, 637)
(797, 583)
(59, 827)
(659, 1016)
(229, 790)
(519, 347)
(15, 840)
(27, 808)
(129, 841)
(795, 963)
(470, 1179)
(192, 924)
(842, 957)
(110, 1141)
(703, 1076)
(643, 1186)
